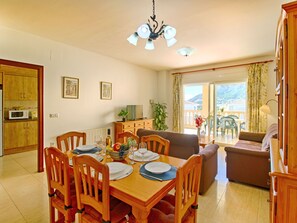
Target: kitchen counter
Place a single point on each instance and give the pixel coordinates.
(20, 120)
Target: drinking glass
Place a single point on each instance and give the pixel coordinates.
(133, 149)
(102, 144)
(142, 149)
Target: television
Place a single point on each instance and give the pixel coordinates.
(135, 112)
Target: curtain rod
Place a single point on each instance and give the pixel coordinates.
(216, 68)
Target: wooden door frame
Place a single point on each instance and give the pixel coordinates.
(39, 68)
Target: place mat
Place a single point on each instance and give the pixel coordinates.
(95, 150)
(154, 156)
(169, 175)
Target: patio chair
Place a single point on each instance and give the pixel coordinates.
(181, 207)
(71, 140)
(228, 123)
(61, 188)
(157, 144)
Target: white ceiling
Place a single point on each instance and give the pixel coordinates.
(219, 30)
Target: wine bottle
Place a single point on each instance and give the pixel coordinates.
(108, 139)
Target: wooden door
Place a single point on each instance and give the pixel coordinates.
(13, 87)
(14, 135)
(30, 88)
(31, 133)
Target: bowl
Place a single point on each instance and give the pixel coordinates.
(115, 155)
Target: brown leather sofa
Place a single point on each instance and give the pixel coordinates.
(185, 145)
(248, 160)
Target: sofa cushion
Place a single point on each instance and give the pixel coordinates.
(271, 133)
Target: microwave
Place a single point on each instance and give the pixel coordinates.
(18, 114)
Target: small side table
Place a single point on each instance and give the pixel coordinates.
(206, 140)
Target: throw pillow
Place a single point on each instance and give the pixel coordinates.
(271, 133)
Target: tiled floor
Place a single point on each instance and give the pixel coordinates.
(23, 195)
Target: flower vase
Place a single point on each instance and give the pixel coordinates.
(198, 132)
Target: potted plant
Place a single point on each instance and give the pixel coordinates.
(160, 115)
(123, 113)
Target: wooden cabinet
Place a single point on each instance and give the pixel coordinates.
(132, 126)
(283, 151)
(20, 88)
(19, 135)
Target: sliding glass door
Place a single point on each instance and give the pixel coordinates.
(222, 107)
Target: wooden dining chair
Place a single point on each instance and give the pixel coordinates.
(123, 136)
(156, 144)
(181, 207)
(61, 188)
(92, 188)
(71, 140)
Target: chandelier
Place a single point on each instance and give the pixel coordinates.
(151, 32)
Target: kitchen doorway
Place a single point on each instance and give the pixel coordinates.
(22, 92)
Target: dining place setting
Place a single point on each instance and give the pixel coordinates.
(124, 167)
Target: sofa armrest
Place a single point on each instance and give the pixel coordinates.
(250, 136)
(208, 151)
(247, 152)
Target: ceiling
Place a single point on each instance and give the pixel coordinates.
(218, 30)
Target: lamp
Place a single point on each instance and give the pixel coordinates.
(265, 108)
(185, 51)
(150, 32)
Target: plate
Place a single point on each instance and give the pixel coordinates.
(145, 155)
(85, 147)
(97, 157)
(157, 167)
(115, 167)
(153, 156)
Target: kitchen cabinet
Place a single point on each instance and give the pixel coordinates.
(20, 135)
(19, 88)
(132, 126)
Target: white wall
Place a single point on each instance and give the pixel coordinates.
(220, 75)
(131, 84)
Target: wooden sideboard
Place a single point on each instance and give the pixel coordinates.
(283, 151)
(131, 126)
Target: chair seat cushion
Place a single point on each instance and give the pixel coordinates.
(163, 211)
(118, 211)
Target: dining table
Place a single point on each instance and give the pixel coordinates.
(139, 192)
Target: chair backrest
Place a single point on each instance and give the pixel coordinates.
(233, 116)
(58, 176)
(92, 178)
(228, 122)
(71, 140)
(187, 187)
(157, 144)
(123, 136)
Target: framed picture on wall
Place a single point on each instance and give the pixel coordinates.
(70, 87)
(106, 90)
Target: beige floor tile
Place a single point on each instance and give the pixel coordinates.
(24, 198)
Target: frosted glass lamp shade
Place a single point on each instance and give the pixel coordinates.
(169, 32)
(133, 39)
(144, 31)
(149, 45)
(265, 109)
(171, 42)
(185, 51)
